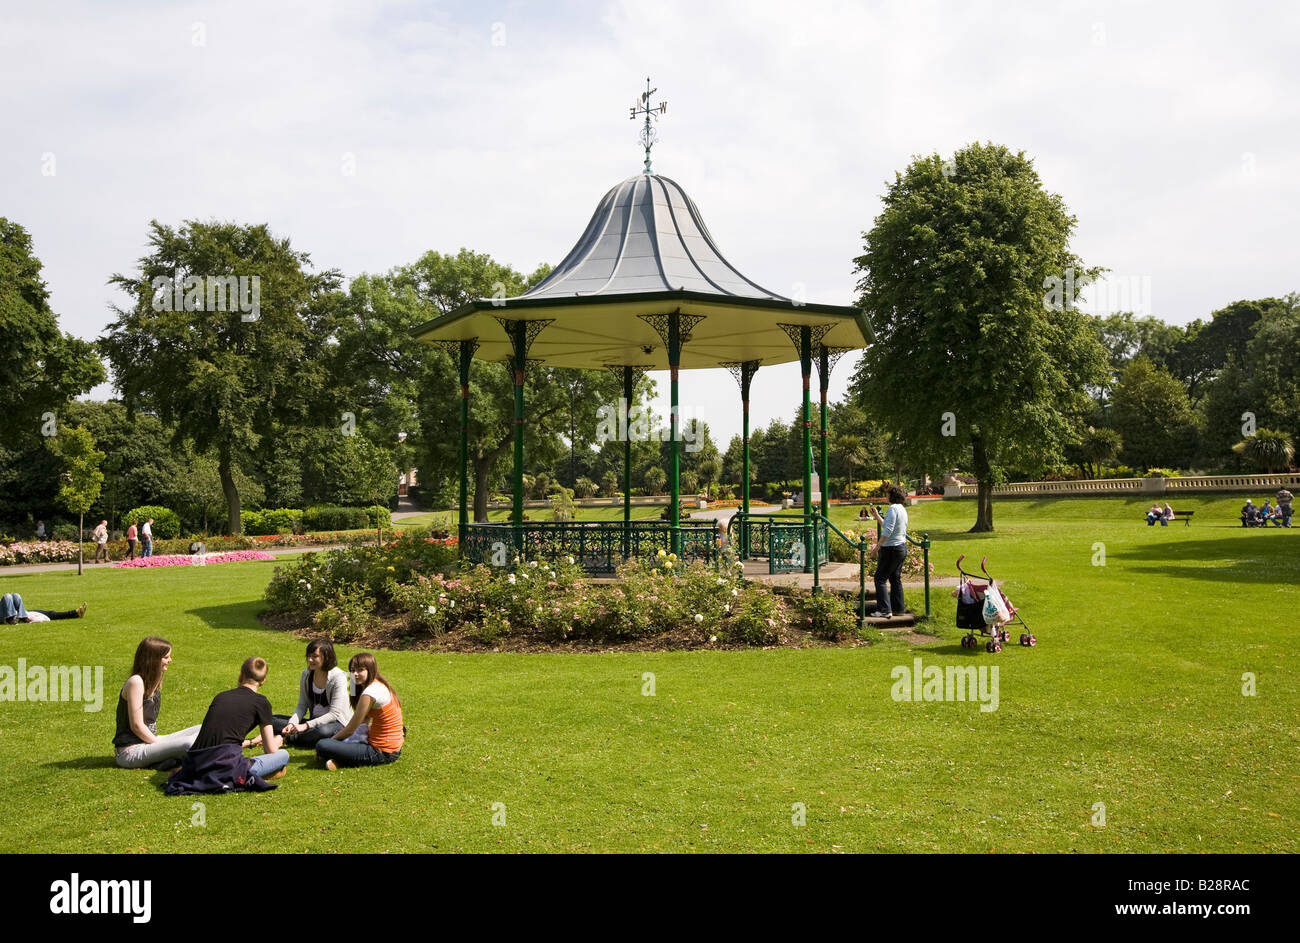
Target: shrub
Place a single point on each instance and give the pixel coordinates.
(166, 523)
(863, 490)
(584, 487)
(348, 616)
(378, 517)
(826, 615)
(272, 521)
(333, 517)
(755, 619)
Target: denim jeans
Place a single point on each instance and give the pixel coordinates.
(11, 608)
(269, 763)
(148, 547)
(353, 754)
(172, 746)
(308, 738)
(889, 569)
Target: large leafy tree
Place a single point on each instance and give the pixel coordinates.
(1153, 416)
(81, 478)
(223, 379)
(954, 274)
(41, 370)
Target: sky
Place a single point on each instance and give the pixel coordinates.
(369, 133)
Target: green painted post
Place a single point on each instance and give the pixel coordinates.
(925, 562)
(518, 335)
(674, 362)
(466, 355)
(747, 371)
(629, 381)
(862, 580)
(825, 379)
(805, 365)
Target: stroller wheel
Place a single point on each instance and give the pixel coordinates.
(994, 646)
(965, 641)
(1024, 639)
(1032, 641)
(1006, 635)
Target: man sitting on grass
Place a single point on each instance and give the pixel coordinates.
(215, 761)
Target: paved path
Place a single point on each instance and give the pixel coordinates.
(63, 567)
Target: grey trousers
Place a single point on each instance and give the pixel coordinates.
(174, 745)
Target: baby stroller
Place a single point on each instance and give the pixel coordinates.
(970, 611)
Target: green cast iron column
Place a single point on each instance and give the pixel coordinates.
(747, 371)
(629, 381)
(674, 361)
(805, 365)
(518, 337)
(825, 378)
(466, 355)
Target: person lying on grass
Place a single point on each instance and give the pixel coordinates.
(136, 742)
(216, 762)
(323, 706)
(377, 705)
(12, 611)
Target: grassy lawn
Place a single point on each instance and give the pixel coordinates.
(1133, 698)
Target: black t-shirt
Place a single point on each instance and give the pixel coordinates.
(232, 715)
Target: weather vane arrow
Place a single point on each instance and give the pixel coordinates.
(643, 107)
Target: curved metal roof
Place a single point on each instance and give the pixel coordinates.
(646, 252)
(646, 235)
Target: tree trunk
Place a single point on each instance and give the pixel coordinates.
(984, 476)
(81, 539)
(234, 526)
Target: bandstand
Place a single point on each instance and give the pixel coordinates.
(646, 288)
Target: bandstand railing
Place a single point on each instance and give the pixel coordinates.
(597, 546)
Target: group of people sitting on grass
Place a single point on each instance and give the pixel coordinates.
(1278, 516)
(353, 721)
(1162, 514)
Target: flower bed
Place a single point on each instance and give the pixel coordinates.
(178, 559)
(41, 551)
(386, 595)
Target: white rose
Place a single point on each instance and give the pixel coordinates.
(699, 618)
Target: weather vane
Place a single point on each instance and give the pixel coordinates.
(643, 107)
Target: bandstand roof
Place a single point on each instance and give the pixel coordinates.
(647, 252)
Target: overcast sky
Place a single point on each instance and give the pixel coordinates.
(1172, 130)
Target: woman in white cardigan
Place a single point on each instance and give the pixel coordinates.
(323, 704)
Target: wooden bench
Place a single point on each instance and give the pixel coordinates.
(1184, 516)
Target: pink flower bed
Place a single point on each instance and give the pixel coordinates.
(181, 559)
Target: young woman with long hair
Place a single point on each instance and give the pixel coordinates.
(377, 705)
(323, 705)
(136, 741)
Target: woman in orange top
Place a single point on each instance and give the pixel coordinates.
(378, 706)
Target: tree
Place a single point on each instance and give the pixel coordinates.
(1153, 416)
(1094, 449)
(222, 374)
(972, 360)
(42, 368)
(1269, 449)
(82, 478)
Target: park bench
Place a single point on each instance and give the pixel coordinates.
(1184, 516)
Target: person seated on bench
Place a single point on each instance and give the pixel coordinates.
(1155, 514)
(1167, 515)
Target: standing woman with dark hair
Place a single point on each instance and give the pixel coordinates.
(378, 706)
(137, 742)
(323, 706)
(892, 553)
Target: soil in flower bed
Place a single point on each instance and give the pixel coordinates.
(393, 633)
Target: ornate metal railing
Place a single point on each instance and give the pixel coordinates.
(598, 546)
(780, 538)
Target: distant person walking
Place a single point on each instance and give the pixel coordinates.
(40, 530)
(1284, 499)
(132, 538)
(146, 535)
(100, 536)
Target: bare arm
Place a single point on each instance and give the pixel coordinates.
(270, 742)
(361, 713)
(133, 691)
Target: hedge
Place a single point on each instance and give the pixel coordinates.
(166, 523)
(272, 521)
